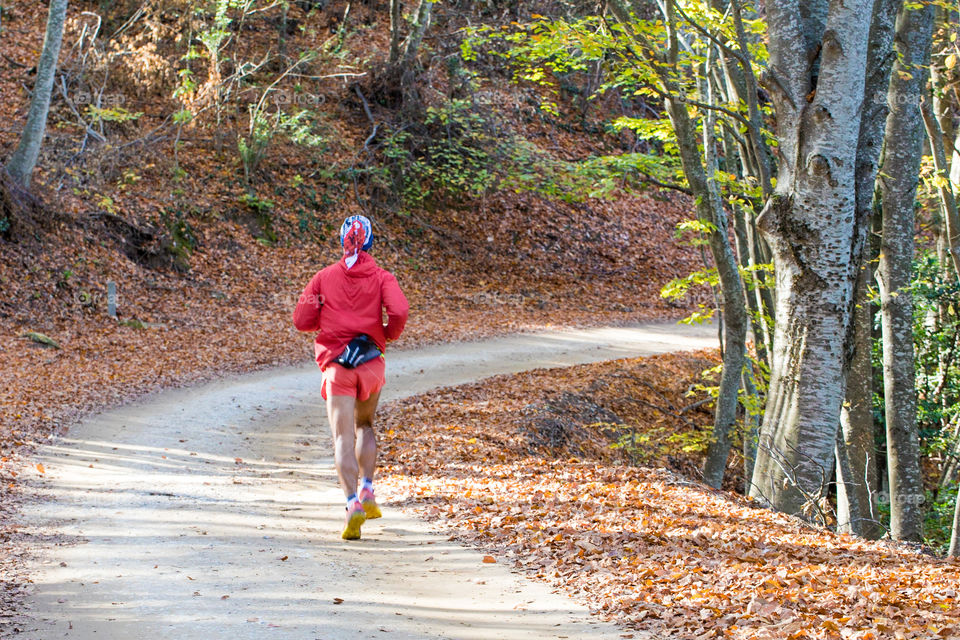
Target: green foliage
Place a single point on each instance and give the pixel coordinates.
(635, 444)
(692, 441)
(938, 523)
(458, 150)
(183, 116)
(263, 210)
(461, 151)
(646, 447)
(180, 239)
(214, 36)
(41, 339)
(188, 84)
(458, 159)
(112, 114)
(936, 334)
(133, 323)
(265, 126)
(107, 204)
(678, 288)
(464, 150)
(546, 51)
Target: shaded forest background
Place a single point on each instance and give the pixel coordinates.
(144, 182)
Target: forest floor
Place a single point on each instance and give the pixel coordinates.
(526, 467)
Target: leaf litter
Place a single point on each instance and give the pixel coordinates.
(647, 546)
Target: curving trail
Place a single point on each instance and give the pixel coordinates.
(213, 512)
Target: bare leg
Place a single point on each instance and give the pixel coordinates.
(340, 411)
(366, 447)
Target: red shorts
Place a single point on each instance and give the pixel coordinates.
(360, 383)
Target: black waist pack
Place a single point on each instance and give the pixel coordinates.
(361, 349)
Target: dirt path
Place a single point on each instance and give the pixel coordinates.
(213, 512)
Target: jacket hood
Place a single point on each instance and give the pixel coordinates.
(363, 267)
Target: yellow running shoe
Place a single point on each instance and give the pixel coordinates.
(356, 516)
(369, 504)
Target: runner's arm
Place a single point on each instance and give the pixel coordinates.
(306, 317)
(398, 309)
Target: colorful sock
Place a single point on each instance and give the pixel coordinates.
(351, 499)
(366, 483)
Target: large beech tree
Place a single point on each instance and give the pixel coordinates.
(820, 68)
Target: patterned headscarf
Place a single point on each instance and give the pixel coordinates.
(356, 235)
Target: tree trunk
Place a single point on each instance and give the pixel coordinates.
(24, 159)
(760, 150)
(898, 185)
(395, 23)
(857, 474)
(955, 163)
(738, 85)
(814, 232)
(754, 301)
(408, 66)
(751, 428)
(849, 513)
(734, 304)
(856, 468)
(699, 171)
(954, 550)
(420, 26)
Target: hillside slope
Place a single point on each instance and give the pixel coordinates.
(208, 267)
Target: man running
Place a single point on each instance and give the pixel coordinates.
(345, 303)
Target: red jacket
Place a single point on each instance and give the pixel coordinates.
(342, 303)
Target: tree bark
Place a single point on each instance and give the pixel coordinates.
(740, 86)
(819, 57)
(898, 185)
(751, 428)
(24, 159)
(849, 516)
(734, 297)
(857, 470)
(420, 25)
(857, 474)
(954, 550)
(408, 65)
(395, 22)
(734, 343)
